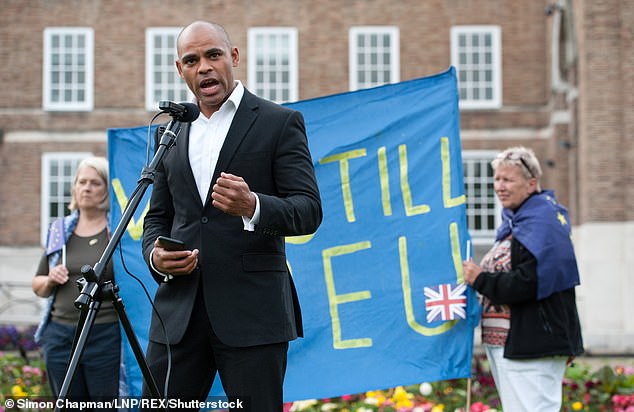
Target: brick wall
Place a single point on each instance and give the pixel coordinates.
(119, 27)
(605, 122)
(597, 166)
(20, 187)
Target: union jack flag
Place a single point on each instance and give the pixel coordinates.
(446, 302)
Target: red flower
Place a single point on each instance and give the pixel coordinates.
(479, 407)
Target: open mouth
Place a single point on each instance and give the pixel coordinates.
(209, 85)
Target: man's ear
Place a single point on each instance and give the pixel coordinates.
(235, 56)
(180, 70)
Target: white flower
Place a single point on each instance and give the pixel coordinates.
(328, 406)
(425, 388)
(303, 405)
(371, 401)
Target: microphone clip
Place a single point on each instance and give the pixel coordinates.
(182, 112)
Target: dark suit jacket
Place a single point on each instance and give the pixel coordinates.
(248, 290)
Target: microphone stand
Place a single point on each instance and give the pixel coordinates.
(92, 293)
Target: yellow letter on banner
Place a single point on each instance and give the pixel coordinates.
(342, 158)
(336, 300)
(299, 240)
(385, 182)
(456, 255)
(407, 287)
(446, 176)
(135, 229)
(410, 209)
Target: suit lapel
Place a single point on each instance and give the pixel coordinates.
(242, 122)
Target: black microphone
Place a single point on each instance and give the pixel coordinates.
(181, 113)
(184, 112)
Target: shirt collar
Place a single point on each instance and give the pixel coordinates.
(236, 95)
(234, 98)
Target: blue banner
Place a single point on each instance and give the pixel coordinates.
(380, 283)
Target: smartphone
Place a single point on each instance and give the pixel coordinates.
(170, 244)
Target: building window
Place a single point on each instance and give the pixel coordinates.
(162, 81)
(483, 207)
(374, 56)
(272, 68)
(58, 171)
(476, 52)
(68, 69)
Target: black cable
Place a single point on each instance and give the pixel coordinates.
(149, 135)
(147, 294)
(139, 281)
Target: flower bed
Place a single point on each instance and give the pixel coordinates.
(22, 370)
(22, 377)
(13, 338)
(604, 388)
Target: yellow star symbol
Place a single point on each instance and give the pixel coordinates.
(562, 219)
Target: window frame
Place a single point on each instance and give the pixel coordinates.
(484, 157)
(150, 69)
(47, 158)
(353, 53)
(496, 65)
(293, 63)
(88, 103)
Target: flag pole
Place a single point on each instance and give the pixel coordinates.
(468, 406)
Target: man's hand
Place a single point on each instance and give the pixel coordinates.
(232, 195)
(177, 263)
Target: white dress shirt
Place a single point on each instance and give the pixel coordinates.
(206, 137)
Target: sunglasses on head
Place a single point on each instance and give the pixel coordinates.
(516, 156)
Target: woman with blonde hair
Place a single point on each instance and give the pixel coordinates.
(530, 326)
(74, 241)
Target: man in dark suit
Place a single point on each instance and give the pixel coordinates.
(238, 180)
